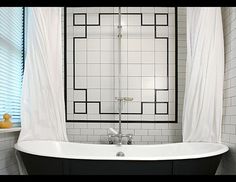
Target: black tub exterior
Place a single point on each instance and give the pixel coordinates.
(40, 165)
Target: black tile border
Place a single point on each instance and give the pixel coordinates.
(117, 121)
(176, 65)
(86, 102)
(65, 62)
(99, 24)
(85, 20)
(176, 69)
(80, 102)
(167, 18)
(167, 108)
(141, 16)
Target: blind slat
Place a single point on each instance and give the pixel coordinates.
(11, 60)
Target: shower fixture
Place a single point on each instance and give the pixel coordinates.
(119, 71)
(120, 98)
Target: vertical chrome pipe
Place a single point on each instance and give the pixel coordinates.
(119, 73)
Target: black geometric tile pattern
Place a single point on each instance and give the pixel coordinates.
(85, 24)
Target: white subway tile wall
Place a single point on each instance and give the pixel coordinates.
(8, 164)
(228, 164)
(144, 133)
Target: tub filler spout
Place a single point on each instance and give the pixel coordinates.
(114, 134)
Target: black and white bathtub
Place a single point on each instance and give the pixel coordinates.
(50, 157)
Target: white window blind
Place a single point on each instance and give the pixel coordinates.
(11, 60)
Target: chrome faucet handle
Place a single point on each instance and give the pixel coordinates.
(114, 132)
(110, 140)
(130, 139)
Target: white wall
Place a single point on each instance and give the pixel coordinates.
(148, 133)
(228, 164)
(8, 165)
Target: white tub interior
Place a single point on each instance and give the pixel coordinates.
(71, 150)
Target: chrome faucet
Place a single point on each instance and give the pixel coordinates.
(115, 134)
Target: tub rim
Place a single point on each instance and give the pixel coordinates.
(224, 148)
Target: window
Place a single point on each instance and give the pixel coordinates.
(11, 60)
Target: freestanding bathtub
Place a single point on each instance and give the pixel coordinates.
(50, 157)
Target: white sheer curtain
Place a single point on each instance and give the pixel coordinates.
(42, 107)
(203, 101)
